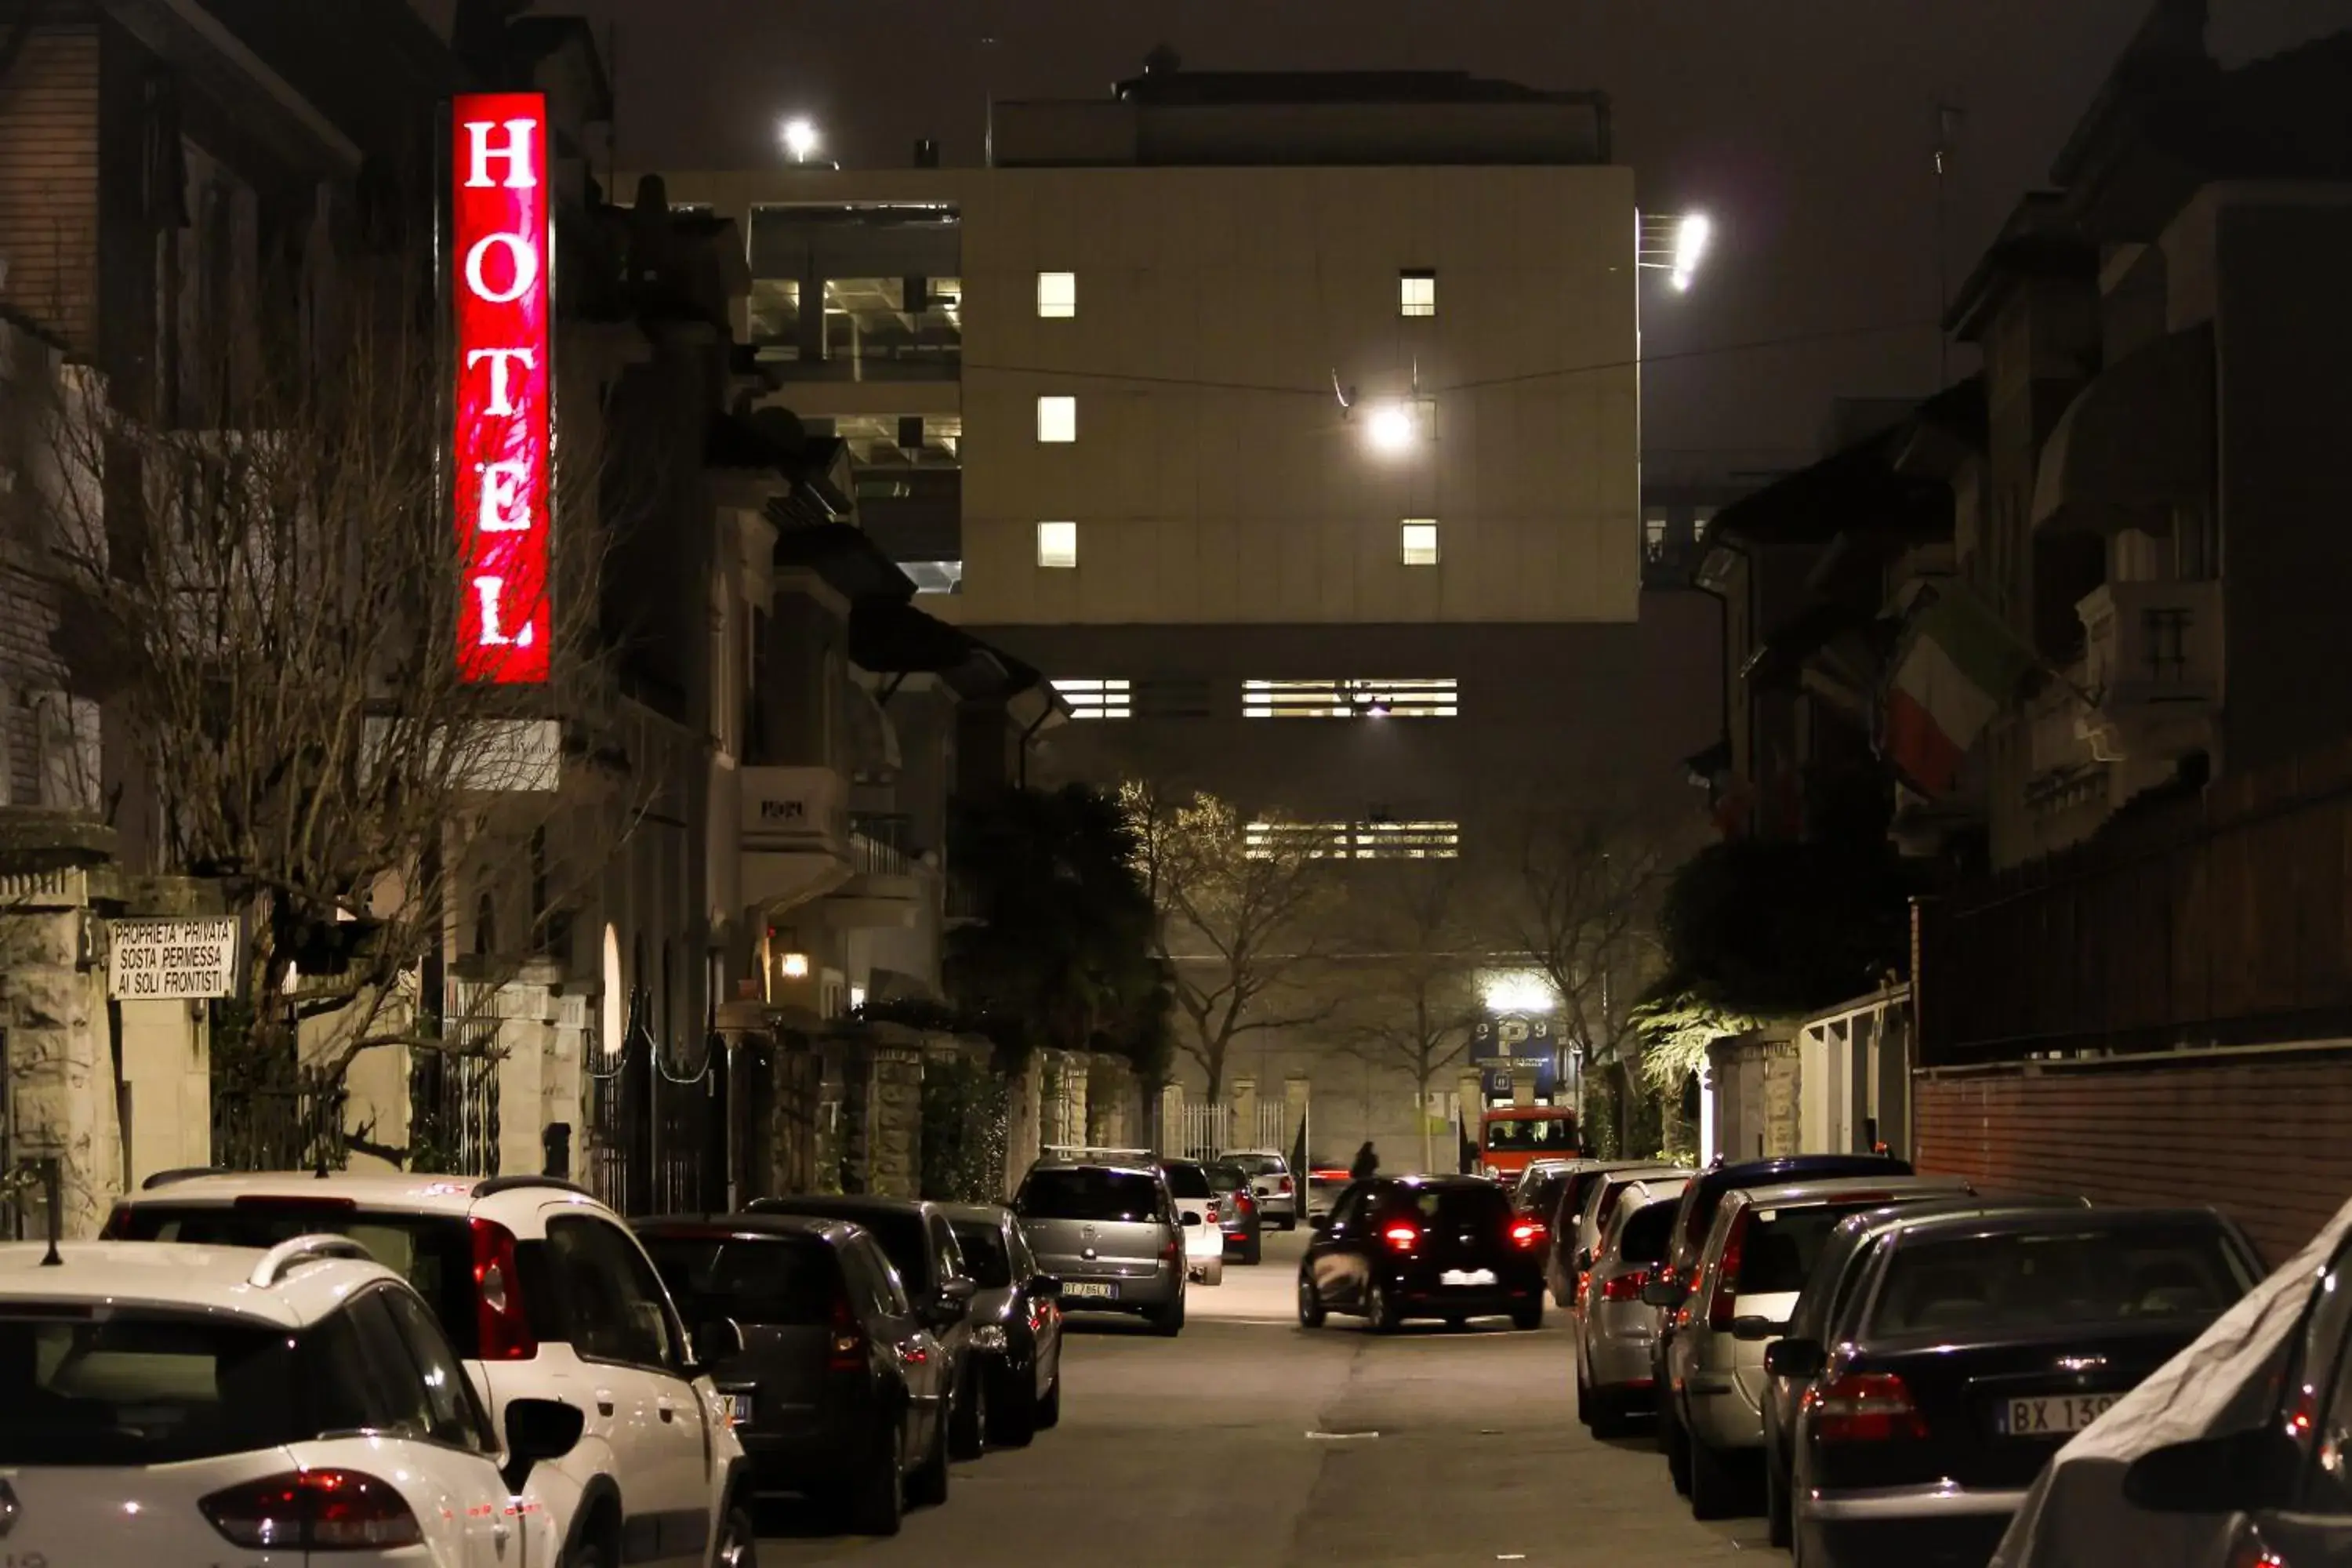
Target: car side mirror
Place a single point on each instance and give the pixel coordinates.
(1662, 1293)
(716, 1340)
(1045, 1288)
(1800, 1359)
(1318, 1222)
(1756, 1331)
(2235, 1471)
(959, 1288)
(539, 1429)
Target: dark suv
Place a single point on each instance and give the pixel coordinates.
(1423, 1247)
(921, 1245)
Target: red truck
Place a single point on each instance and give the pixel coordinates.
(1513, 1137)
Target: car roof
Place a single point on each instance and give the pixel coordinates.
(1644, 1191)
(1280, 1154)
(408, 1192)
(1793, 1167)
(182, 1275)
(782, 1227)
(1165, 1160)
(1122, 1167)
(1439, 1179)
(2028, 1220)
(996, 1214)
(1831, 1189)
(846, 1205)
(1528, 1112)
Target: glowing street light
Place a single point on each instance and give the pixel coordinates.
(1518, 990)
(800, 139)
(1690, 245)
(1674, 243)
(1390, 428)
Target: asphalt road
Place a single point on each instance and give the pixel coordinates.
(1250, 1443)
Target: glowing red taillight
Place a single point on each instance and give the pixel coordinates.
(846, 1352)
(499, 1324)
(314, 1511)
(1282, 1184)
(1527, 1234)
(1402, 1237)
(1865, 1407)
(1624, 1287)
(1721, 1304)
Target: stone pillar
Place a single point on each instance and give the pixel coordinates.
(894, 1125)
(1172, 1118)
(1022, 1126)
(1241, 1127)
(60, 1065)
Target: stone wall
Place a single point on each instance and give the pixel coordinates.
(61, 1077)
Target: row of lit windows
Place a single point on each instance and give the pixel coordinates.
(1057, 543)
(1057, 293)
(1437, 697)
(1371, 841)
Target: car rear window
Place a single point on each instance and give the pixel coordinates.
(984, 1257)
(432, 1252)
(1646, 1231)
(1095, 1194)
(2076, 1276)
(1259, 1164)
(1783, 1245)
(137, 1388)
(1228, 1178)
(1543, 1197)
(1532, 1134)
(1466, 1205)
(1187, 1181)
(770, 1280)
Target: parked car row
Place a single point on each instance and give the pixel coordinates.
(1880, 1363)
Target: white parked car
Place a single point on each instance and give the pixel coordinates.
(1271, 1183)
(1198, 1209)
(546, 1296)
(194, 1405)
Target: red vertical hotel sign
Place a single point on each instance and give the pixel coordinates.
(501, 457)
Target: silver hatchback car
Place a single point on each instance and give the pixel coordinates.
(1614, 1326)
(1108, 1231)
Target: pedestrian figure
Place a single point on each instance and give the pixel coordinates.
(1368, 1162)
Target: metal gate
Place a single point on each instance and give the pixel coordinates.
(1203, 1131)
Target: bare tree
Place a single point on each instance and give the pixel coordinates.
(1422, 933)
(265, 591)
(1244, 917)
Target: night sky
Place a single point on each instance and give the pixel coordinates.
(1804, 128)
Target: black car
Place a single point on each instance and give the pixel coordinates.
(1016, 1322)
(839, 1390)
(1237, 1211)
(1396, 1248)
(1970, 1348)
(1695, 1216)
(921, 1245)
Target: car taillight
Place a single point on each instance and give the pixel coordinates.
(2251, 1551)
(1720, 1305)
(847, 1350)
(314, 1511)
(1282, 1184)
(1402, 1237)
(498, 1319)
(1527, 1234)
(1865, 1407)
(1583, 1282)
(1171, 1249)
(1244, 1203)
(1624, 1287)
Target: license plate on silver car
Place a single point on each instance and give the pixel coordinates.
(1467, 1277)
(2054, 1416)
(1100, 1289)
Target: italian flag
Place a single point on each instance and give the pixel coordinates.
(1956, 666)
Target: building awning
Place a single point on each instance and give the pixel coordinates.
(844, 557)
(2136, 441)
(1779, 663)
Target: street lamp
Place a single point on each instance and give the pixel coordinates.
(800, 138)
(1675, 244)
(1390, 428)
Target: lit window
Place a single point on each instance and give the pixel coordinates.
(1357, 699)
(1653, 527)
(1097, 699)
(1417, 292)
(1420, 541)
(1057, 294)
(1057, 544)
(1379, 839)
(1057, 419)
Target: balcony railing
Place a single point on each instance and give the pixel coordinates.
(881, 844)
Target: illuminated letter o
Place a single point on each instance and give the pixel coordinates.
(526, 267)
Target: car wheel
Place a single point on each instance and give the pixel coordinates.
(587, 1555)
(1529, 1315)
(927, 1487)
(1286, 1223)
(1457, 1321)
(1584, 1400)
(1608, 1414)
(739, 1543)
(879, 1502)
(1213, 1271)
(1168, 1321)
(1381, 1314)
(1255, 1253)
(1049, 1409)
(1678, 1446)
(968, 1426)
(1714, 1488)
(1311, 1303)
(1012, 1419)
(1776, 1504)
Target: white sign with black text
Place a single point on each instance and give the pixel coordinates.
(167, 961)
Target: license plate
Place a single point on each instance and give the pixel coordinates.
(740, 1408)
(2054, 1417)
(1467, 1277)
(1101, 1290)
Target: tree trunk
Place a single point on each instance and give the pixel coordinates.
(1421, 1101)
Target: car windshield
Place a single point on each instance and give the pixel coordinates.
(1538, 1132)
(1227, 1178)
(432, 1252)
(1259, 1164)
(984, 1257)
(143, 1389)
(1088, 1194)
(1783, 1245)
(899, 1232)
(1465, 1204)
(1542, 1197)
(772, 1280)
(1645, 1234)
(2080, 1275)
(1186, 1181)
